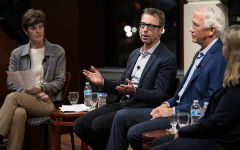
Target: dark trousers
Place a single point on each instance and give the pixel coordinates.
(94, 127)
(167, 143)
(128, 126)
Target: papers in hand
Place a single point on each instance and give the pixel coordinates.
(77, 107)
(25, 79)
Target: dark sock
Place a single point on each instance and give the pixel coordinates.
(1, 139)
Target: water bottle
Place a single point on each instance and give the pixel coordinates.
(195, 112)
(205, 105)
(87, 94)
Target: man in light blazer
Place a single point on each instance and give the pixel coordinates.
(147, 81)
(202, 79)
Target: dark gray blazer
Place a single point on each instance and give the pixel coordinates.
(156, 81)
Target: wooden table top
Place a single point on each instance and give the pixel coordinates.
(58, 113)
(153, 134)
(59, 118)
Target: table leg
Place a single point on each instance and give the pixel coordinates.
(84, 145)
(58, 137)
(72, 138)
(54, 137)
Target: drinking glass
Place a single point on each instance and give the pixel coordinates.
(73, 97)
(102, 99)
(94, 100)
(173, 121)
(183, 119)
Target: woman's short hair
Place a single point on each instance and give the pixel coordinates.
(231, 38)
(155, 11)
(214, 17)
(32, 17)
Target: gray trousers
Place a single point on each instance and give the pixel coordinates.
(13, 116)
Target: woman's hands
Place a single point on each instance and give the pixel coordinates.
(36, 91)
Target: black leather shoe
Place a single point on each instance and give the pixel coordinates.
(3, 143)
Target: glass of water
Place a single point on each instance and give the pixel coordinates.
(173, 121)
(183, 119)
(94, 100)
(102, 99)
(73, 97)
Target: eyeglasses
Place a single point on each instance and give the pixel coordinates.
(149, 26)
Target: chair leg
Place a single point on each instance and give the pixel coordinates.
(46, 136)
(26, 138)
(72, 138)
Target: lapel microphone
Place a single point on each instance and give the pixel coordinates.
(138, 67)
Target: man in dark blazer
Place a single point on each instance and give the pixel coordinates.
(203, 78)
(147, 81)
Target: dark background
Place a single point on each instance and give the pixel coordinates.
(91, 32)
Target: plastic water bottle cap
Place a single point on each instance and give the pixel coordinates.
(102, 94)
(195, 101)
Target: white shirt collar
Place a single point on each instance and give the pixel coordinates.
(205, 50)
